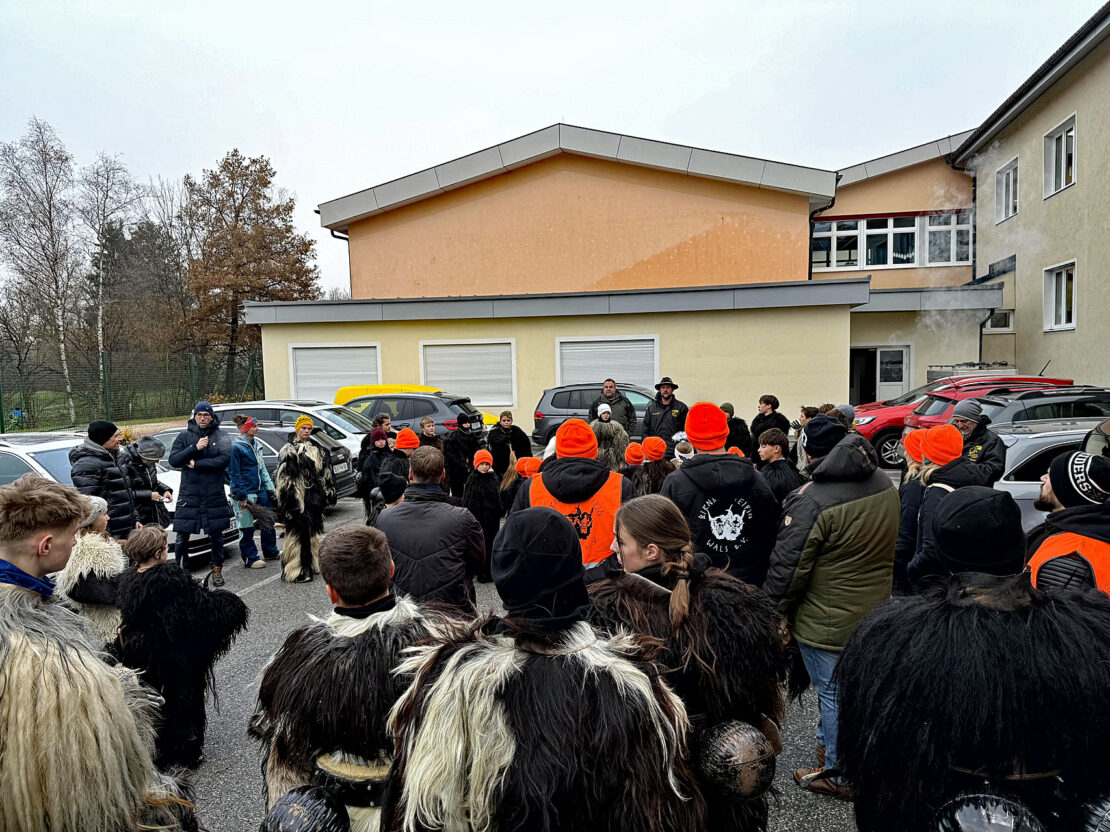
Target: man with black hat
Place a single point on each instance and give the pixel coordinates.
(1075, 547)
(666, 415)
(833, 563)
(981, 445)
(97, 472)
(140, 463)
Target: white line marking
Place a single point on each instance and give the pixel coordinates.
(260, 584)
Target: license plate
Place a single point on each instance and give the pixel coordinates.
(339, 469)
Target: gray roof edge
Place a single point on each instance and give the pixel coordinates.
(936, 298)
(902, 159)
(338, 213)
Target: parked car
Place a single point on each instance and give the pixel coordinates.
(47, 454)
(342, 424)
(407, 409)
(573, 401)
(882, 423)
(1030, 449)
(1074, 402)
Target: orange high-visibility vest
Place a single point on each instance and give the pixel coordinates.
(1095, 552)
(592, 518)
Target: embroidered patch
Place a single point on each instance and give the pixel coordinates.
(787, 521)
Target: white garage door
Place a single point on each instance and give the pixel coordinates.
(628, 361)
(318, 372)
(484, 372)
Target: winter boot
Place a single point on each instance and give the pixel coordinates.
(801, 774)
(217, 576)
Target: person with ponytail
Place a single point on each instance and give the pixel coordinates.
(724, 641)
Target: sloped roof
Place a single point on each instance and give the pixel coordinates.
(819, 185)
(938, 149)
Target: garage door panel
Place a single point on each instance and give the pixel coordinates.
(318, 372)
(484, 372)
(630, 361)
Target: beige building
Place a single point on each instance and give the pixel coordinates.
(1041, 164)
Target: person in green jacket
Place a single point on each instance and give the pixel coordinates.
(833, 563)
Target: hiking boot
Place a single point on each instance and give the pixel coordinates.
(217, 576)
(800, 774)
(823, 783)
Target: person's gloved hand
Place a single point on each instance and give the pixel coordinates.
(796, 425)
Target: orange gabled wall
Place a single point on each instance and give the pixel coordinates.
(574, 224)
(931, 185)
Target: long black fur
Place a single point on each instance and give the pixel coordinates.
(985, 674)
(459, 448)
(302, 522)
(482, 496)
(174, 631)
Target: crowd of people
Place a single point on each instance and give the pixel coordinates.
(663, 600)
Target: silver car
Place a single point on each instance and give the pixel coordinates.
(1030, 449)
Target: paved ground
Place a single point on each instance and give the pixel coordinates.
(229, 784)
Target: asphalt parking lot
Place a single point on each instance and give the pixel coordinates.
(230, 794)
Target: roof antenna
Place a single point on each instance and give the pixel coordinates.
(1045, 367)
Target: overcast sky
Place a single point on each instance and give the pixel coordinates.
(342, 96)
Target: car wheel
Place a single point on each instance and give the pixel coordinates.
(888, 446)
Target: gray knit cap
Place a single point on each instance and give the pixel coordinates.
(968, 409)
(97, 507)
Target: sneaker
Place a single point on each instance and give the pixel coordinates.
(258, 564)
(823, 783)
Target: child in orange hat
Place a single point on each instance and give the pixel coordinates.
(655, 468)
(482, 496)
(519, 473)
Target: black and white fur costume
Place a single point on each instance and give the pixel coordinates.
(304, 479)
(76, 734)
(325, 699)
(89, 583)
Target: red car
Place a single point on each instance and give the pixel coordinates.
(883, 422)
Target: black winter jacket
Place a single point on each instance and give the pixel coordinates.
(623, 411)
(761, 422)
(910, 493)
(986, 449)
(503, 442)
(731, 511)
(740, 437)
(459, 447)
(437, 547)
(926, 565)
(98, 472)
(782, 476)
(202, 506)
(572, 480)
(482, 497)
(144, 482)
(665, 421)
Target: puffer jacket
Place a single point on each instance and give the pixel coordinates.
(833, 560)
(246, 470)
(986, 449)
(732, 513)
(202, 506)
(144, 482)
(437, 548)
(97, 472)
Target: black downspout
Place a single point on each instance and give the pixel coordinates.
(812, 214)
(339, 235)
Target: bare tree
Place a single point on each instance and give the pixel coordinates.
(338, 293)
(38, 222)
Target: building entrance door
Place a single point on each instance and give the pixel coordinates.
(877, 373)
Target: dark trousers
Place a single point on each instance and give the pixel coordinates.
(269, 538)
(181, 549)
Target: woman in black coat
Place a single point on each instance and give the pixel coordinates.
(506, 439)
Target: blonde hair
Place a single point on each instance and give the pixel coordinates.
(505, 413)
(511, 475)
(426, 420)
(145, 544)
(32, 504)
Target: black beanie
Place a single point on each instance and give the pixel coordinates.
(978, 529)
(821, 434)
(1080, 479)
(101, 431)
(391, 485)
(537, 569)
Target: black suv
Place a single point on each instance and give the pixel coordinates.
(407, 409)
(573, 401)
(1078, 402)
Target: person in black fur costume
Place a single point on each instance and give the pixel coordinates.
(459, 447)
(561, 727)
(326, 695)
(174, 630)
(304, 480)
(724, 641)
(482, 496)
(983, 679)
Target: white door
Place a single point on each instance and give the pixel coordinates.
(319, 372)
(893, 367)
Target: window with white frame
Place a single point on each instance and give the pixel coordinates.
(1059, 297)
(949, 238)
(485, 371)
(1001, 320)
(1059, 157)
(1006, 191)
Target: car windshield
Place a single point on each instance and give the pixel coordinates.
(349, 420)
(56, 462)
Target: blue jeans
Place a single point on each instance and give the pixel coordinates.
(269, 539)
(820, 664)
(181, 549)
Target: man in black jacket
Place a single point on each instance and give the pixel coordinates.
(666, 415)
(437, 548)
(730, 508)
(981, 445)
(780, 473)
(623, 412)
(767, 418)
(97, 472)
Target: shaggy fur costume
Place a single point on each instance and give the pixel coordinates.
(96, 558)
(328, 691)
(482, 495)
(303, 480)
(984, 675)
(75, 734)
(570, 730)
(728, 661)
(173, 631)
(459, 447)
(612, 441)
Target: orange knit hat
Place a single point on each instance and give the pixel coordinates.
(737, 451)
(482, 456)
(407, 438)
(527, 466)
(634, 454)
(913, 443)
(575, 438)
(942, 444)
(654, 449)
(706, 426)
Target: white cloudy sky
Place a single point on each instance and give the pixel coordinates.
(345, 95)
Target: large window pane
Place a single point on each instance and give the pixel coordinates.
(940, 246)
(963, 245)
(877, 249)
(820, 252)
(905, 248)
(847, 251)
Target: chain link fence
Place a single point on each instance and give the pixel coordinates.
(124, 387)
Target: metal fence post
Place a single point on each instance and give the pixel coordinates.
(104, 384)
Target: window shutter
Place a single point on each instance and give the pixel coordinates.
(484, 372)
(319, 372)
(628, 362)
